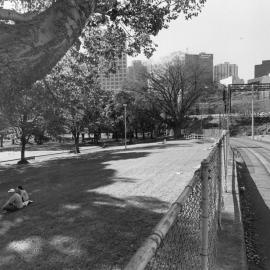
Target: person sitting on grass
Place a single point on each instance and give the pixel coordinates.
(14, 202)
(24, 195)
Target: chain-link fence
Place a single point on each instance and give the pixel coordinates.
(186, 237)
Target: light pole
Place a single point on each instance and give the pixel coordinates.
(125, 107)
(252, 111)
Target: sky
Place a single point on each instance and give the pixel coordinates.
(235, 31)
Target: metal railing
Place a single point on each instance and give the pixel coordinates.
(207, 133)
(194, 136)
(186, 237)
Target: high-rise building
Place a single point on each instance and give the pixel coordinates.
(263, 69)
(114, 81)
(203, 63)
(137, 71)
(225, 70)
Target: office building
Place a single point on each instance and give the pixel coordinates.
(201, 63)
(263, 69)
(114, 81)
(137, 71)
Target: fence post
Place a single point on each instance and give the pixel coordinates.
(226, 151)
(205, 215)
(219, 181)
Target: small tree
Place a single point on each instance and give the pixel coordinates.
(75, 92)
(23, 111)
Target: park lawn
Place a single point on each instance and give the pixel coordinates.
(75, 221)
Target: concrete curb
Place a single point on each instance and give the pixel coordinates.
(231, 244)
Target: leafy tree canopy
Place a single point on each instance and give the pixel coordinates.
(42, 31)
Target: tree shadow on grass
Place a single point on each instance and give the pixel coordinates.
(69, 226)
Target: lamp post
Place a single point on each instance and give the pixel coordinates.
(252, 111)
(125, 107)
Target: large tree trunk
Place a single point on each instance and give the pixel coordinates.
(136, 134)
(177, 130)
(1, 140)
(76, 137)
(30, 49)
(130, 135)
(23, 144)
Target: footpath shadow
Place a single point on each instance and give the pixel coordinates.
(70, 225)
(256, 220)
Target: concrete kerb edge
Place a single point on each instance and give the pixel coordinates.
(232, 213)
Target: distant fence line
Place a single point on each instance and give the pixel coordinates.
(186, 237)
(207, 133)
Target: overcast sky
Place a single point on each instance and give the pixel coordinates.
(236, 31)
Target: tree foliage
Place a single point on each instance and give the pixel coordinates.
(175, 89)
(75, 92)
(23, 111)
(47, 29)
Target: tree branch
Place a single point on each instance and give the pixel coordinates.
(29, 50)
(12, 15)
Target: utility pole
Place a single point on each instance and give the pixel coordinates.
(125, 116)
(252, 111)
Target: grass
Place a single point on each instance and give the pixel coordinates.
(69, 226)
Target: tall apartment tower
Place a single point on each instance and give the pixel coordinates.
(114, 81)
(203, 62)
(263, 69)
(225, 70)
(137, 71)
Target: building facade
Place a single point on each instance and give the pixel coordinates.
(263, 69)
(203, 63)
(258, 80)
(114, 81)
(225, 70)
(137, 71)
(262, 94)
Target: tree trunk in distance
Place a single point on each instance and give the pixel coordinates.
(76, 142)
(177, 131)
(23, 159)
(130, 136)
(1, 140)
